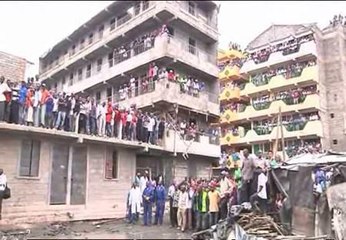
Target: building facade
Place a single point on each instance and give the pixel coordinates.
(281, 68)
(13, 68)
(295, 69)
(75, 174)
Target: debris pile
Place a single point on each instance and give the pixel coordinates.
(262, 226)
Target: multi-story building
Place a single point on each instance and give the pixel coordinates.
(79, 176)
(284, 75)
(14, 68)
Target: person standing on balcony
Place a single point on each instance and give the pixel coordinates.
(44, 97)
(62, 105)
(101, 118)
(151, 71)
(128, 125)
(93, 117)
(123, 116)
(161, 130)
(109, 113)
(55, 111)
(49, 110)
(13, 107)
(29, 107)
(150, 127)
(22, 99)
(3, 89)
(116, 120)
(133, 126)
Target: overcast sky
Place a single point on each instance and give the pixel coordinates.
(28, 29)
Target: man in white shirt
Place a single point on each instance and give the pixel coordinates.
(150, 126)
(3, 88)
(3, 184)
(182, 207)
(101, 118)
(260, 197)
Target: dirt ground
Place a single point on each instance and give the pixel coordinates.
(105, 229)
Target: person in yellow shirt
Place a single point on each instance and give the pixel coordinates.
(214, 199)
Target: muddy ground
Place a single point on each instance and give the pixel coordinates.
(105, 229)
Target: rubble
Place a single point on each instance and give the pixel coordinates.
(261, 225)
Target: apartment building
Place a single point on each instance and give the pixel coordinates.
(77, 176)
(13, 67)
(279, 74)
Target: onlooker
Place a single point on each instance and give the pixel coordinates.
(3, 185)
(182, 208)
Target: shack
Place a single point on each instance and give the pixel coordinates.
(309, 183)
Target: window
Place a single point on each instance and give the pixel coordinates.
(99, 64)
(137, 8)
(88, 71)
(170, 30)
(145, 5)
(192, 46)
(30, 158)
(192, 8)
(109, 93)
(98, 97)
(55, 86)
(335, 142)
(111, 171)
(332, 115)
(56, 60)
(80, 74)
(112, 24)
(110, 59)
(101, 29)
(91, 38)
(73, 50)
(81, 46)
(70, 82)
(63, 82)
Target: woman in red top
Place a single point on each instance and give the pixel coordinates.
(151, 71)
(109, 119)
(116, 122)
(123, 116)
(171, 75)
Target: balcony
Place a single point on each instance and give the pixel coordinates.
(154, 9)
(308, 75)
(224, 55)
(230, 73)
(269, 109)
(311, 128)
(308, 48)
(229, 94)
(163, 47)
(202, 147)
(167, 91)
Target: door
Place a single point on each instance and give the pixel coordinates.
(58, 186)
(78, 175)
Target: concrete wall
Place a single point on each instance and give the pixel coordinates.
(30, 196)
(12, 67)
(332, 89)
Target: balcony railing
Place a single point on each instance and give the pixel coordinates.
(152, 10)
(307, 48)
(228, 94)
(165, 90)
(308, 74)
(309, 128)
(307, 102)
(230, 73)
(201, 147)
(162, 47)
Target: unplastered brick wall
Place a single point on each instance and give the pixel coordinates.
(12, 67)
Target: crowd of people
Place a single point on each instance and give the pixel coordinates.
(145, 84)
(32, 104)
(289, 71)
(337, 20)
(196, 204)
(290, 97)
(288, 47)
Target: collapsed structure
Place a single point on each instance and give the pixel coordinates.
(56, 175)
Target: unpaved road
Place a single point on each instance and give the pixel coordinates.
(107, 229)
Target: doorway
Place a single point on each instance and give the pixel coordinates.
(69, 175)
(58, 188)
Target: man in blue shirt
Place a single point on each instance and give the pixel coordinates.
(148, 199)
(22, 97)
(160, 198)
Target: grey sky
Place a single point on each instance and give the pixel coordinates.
(28, 29)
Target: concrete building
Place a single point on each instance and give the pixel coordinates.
(282, 72)
(57, 175)
(13, 67)
(296, 68)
